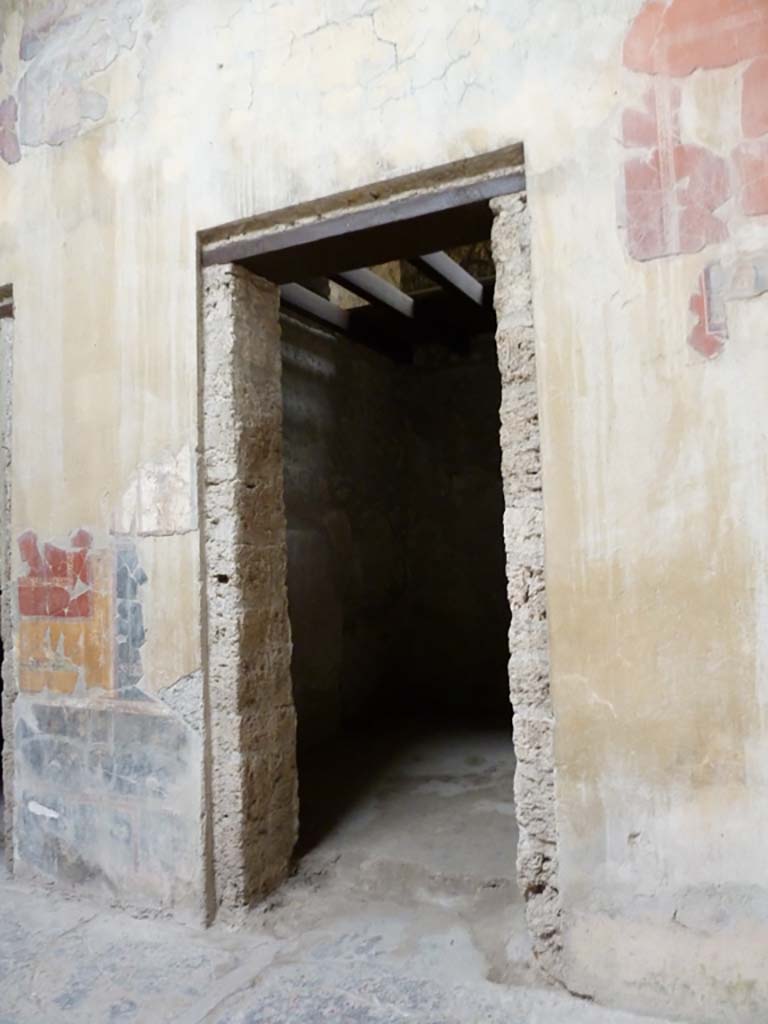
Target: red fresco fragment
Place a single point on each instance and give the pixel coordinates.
(673, 191)
(751, 162)
(702, 186)
(55, 560)
(754, 99)
(79, 606)
(58, 600)
(677, 194)
(643, 174)
(33, 598)
(675, 38)
(53, 585)
(80, 565)
(81, 539)
(645, 219)
(640, 128)
(30, 553)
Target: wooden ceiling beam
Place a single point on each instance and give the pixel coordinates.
(314, 306)
(375, 289)
(376, 331)
(393, 335)
(451, 276)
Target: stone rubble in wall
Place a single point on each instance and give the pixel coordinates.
(252, 719)
(537, 867)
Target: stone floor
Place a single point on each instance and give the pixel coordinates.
(402, 909)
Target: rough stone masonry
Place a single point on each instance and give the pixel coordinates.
(524, 542)
(252, 726)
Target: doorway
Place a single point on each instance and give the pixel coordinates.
(396, 565)
(330, 503)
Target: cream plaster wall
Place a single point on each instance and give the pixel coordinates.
(654, 459)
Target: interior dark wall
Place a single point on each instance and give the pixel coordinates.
(454, 641)
(346, 516)
(396, 573)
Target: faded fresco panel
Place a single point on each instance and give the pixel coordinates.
(107, 777)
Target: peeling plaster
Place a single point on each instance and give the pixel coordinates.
(680, 197)
(66, 45)
(720, 284)
(185, 698)
(161, 498)
(675, 37)
(39, 25)
(43, 812)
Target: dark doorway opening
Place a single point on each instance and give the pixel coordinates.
(394, 510)
(396, 568)
(280, 273)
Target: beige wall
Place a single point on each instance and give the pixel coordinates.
(144, 121)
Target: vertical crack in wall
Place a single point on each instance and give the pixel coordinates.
(251, 714)
(537, 867)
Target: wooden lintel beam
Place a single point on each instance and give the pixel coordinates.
(375, 289)
(315, 307)
(455, 215)
(451, 276)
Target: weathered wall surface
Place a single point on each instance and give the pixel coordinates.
(106, 787)
(658, 611)
(346, 507)
(648, 241)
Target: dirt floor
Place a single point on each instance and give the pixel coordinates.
(403, 908)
